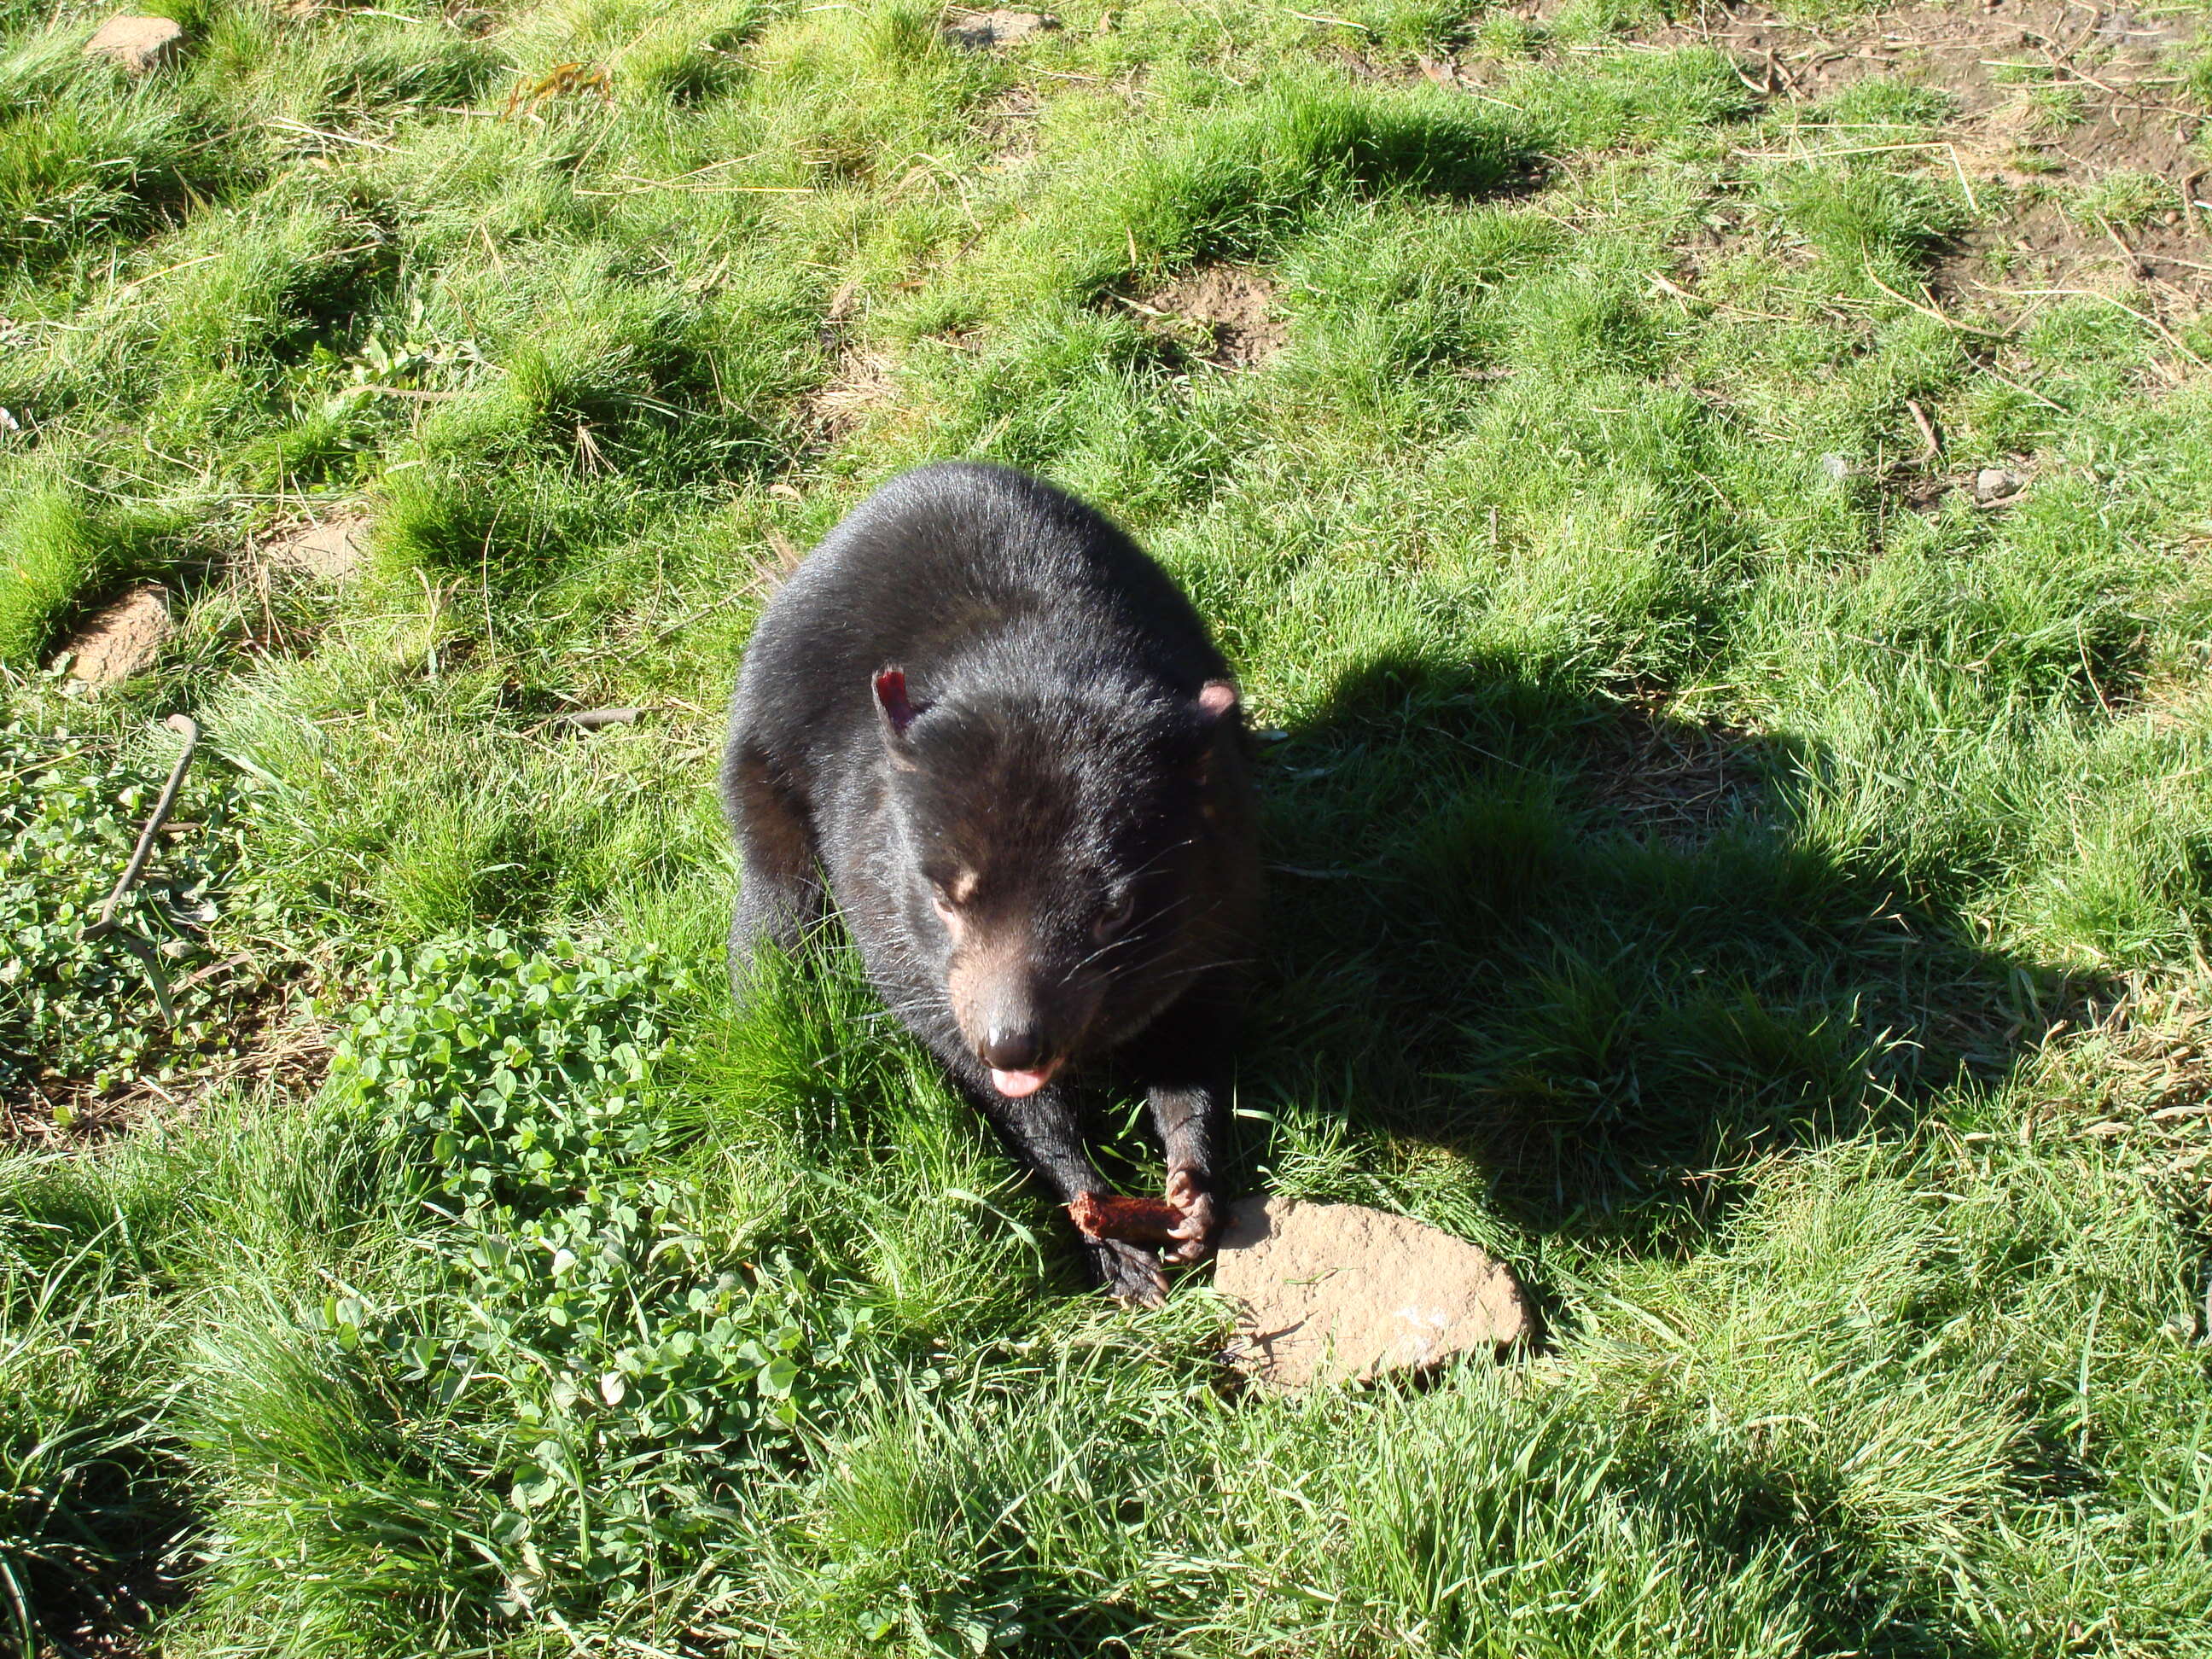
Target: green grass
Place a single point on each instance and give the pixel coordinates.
(1720, 865)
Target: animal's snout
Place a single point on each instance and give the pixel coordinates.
(1021, 1019)
(1019, 1055)
(1011, 1048)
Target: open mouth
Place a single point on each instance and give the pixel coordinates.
(1015, 1084)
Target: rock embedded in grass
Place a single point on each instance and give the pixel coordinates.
(122, 640)
(981, 31)
(1338, 1292)
(332, 550)
(137, 45)
(1994, 483)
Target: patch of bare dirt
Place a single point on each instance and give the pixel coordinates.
(123, 640)
(1922, 484)
(1219, 314)
(1336, 1292)
(1678, 780)
(330, 550)
(2051, 100)
(267, 1040)
(981, 31)
(114, 1610)
(2020, 264)
(1987, 56)
(137, 45)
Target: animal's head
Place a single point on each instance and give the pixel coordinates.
(1055, 841)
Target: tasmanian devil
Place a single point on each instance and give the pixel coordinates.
(1001, 737)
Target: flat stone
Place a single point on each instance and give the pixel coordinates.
(1994, 483)
(333, 550)
(139, 45)
(980, 31)
(123, 640)
(1337, 1292)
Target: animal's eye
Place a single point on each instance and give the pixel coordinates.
(942, 906)
(1115, 916)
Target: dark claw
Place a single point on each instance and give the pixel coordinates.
(1201, 1223)
(1129, 1273)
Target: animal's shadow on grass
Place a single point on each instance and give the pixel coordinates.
(1597, 949)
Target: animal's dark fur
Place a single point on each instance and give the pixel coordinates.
(1002, 735)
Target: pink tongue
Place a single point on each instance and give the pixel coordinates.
(1015, 1084)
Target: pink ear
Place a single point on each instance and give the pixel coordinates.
(890, 698)
(1216, 698)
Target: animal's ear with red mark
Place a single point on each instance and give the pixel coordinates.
(894, 712)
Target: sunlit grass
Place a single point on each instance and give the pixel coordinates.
(1701, 827)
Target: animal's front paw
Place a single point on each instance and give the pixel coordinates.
(1130, 1272)
(1199, 1224)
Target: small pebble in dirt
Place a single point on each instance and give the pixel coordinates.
(1994, 483)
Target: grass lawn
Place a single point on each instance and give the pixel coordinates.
(1711, 512)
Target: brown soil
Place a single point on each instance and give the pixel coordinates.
(137, 45)
(119, 1618)
(122, 640)
(330, 550)
(1991, 488)
(980, 31)
(1981, 54)
(1994, 59)
(2016, 266)
(1679, 780)
(268, 1042)
(1219, 314)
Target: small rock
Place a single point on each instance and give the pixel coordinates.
(592, 719)
(1994, 483)
(122, 640)
(980, 31)
(139, 45)
(333, 550)
(1337, 1292)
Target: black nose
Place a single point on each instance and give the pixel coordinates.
(1012, 1051)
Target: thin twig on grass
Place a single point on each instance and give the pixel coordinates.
(1927, 428)
(106, 923)
(1928, 310)
(1680, 292)
(185, 724)
(301, 129)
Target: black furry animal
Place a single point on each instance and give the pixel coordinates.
(1002, 735)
